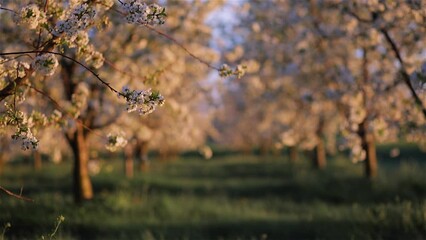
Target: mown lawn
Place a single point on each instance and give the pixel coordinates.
(227, 197)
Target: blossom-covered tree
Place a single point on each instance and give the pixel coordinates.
(330, 69)
(68, 52)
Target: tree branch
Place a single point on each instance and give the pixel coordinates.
(15, 195)
(182, 47)
(65, 56)
(404, 73)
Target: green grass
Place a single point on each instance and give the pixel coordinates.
(228, 197)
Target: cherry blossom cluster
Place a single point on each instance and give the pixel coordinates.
(23, 134)
(142, 13)
(353, 142)
(226, 71)
(12, 68)
(115, 141)
(79, 99)
(357, 153)
(143, 101)
(26, 138)
(37, 119)
(87, 51)
(380, 128)
(81, 39)
(56, 119)
(78, 19)
(31, 16)
(45, 64)
(95, 59)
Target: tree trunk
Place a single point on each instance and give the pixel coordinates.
(371, 160)
(320, 160)
(367, 138)
(142, 151)
(128, 160)
(37, 160)
(319, 152)
(264, 149)
(82, 185)
(293, 154)
(369, 146)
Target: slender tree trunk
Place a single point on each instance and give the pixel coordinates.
(371, 160)
(367, 138)
(369, 146)
(37, 160)
(142, 149)
(128, 160)
(81, 180)
(320, 160)
(293, 154)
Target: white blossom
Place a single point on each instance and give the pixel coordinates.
(357, 153)
(96, 59)
(17, 68)
(142, 13)
(45, 64)
(31, 16)
(82, 38)
(28, 141)
(23, 126)
(79, 18)
(226, 71)
(143, 101)
(115, 141)
(79, 99)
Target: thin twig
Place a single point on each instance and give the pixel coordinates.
(45, 5)
(181, 46)
(395, 49)
(7, 9)
(16, 195)
(165, 35)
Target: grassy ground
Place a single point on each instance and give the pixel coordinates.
(228, 197)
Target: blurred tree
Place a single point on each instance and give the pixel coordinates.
(321, 70)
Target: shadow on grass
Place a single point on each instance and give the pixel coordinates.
(251, 179)
(341, 183)
(253, 229)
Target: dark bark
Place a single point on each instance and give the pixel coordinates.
(129, 153)
(82, 186)
(404, 73)
(369, 146)
(320, 160)
(367, 138)
(264, 148)
(38, 162)
(293, 154)
(142, 149)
